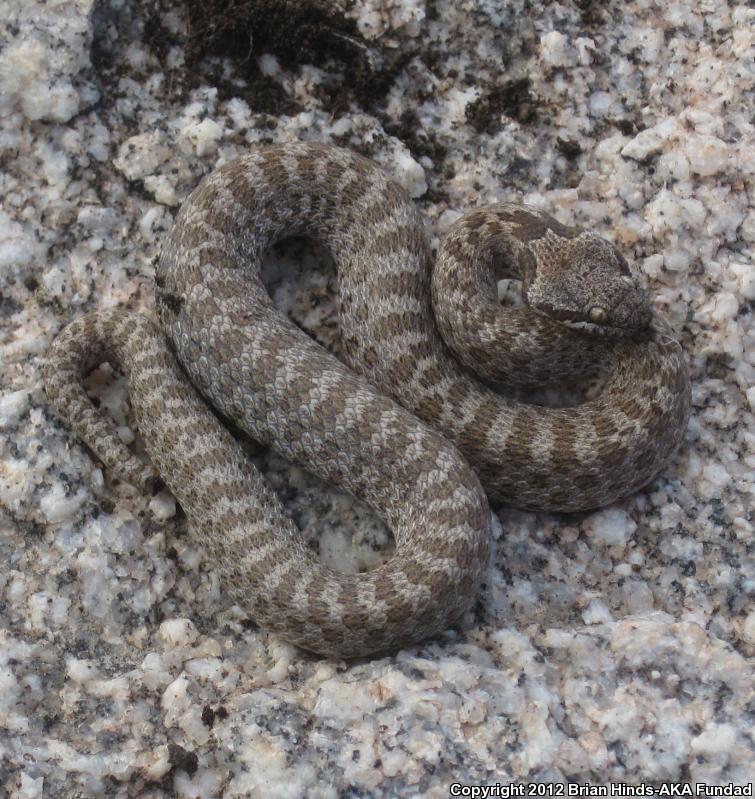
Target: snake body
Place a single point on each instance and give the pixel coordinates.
(411, 334)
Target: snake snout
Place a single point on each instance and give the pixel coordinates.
(632, 311)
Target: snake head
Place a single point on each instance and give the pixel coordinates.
(585, 283)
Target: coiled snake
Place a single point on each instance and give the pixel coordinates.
(412, 339)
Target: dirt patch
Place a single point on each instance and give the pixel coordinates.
(296, 31)
(513, 100)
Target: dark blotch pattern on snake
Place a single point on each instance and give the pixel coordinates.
(412, 331)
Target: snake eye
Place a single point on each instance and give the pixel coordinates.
(598, 315)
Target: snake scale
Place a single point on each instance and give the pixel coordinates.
(401, 422)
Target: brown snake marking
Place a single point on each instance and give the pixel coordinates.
(405, 327)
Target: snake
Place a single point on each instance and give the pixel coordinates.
(413, 418)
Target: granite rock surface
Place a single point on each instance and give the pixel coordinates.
(617, 646)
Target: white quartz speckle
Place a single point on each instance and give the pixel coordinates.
(555, 50)
(13, 404)
(163, 506)
(37, 71)
(57, 505)
(375, 19)
(201, 138)
(178, 632)
(611, 527)
(18, 246)
(408, 172)
(707, 155)
(142, 154)
(28, 788)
